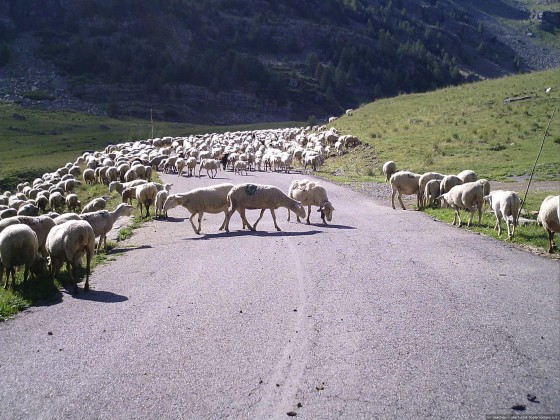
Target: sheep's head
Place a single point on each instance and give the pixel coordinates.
(299, 210)
(170, 202)
(326, 211)
(444, 198)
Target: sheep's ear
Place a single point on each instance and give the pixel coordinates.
(320, 209)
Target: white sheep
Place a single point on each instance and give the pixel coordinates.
(467, 176)
(161, 196)
(549, 218)
(56, 201)
(146, 196)
(310, 193)
(505, 205)
(41, 225)
(255, 196)
(120, 186)
(240, 166)
(404, 182)
(467, 196)
(72, 202)
(18, 246)
(389, 168)
(68, 243)
(102, 221)
(94, 205)
(202, 200)
(424, 179)
(191, 165)
(431, 192)
(211, 166)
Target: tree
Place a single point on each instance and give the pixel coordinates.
(5, 54)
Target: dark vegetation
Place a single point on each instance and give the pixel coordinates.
(316, 57)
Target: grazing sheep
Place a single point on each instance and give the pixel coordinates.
(67, 243)
(102, 221)
(120, 186)
(28, 210)
(18, 246)
(432, 192)
(146, 196)
(310, 193)
(404, 182)
(56, 201)
(485, 185)
(467, 196)
(42, 203)
(389, 168)
(549, 218)
(94, 205)
(314, 160)
(505, 205)
(72, 202)
(128, 194)
(254, 196)
(448, 182)
(161, 196)
(41, 225)
(211, 166)
(428, 176)
(467, 176)
(201, 200)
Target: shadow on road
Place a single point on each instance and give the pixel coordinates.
(251, 233)
(338, 226)
(100, 296)
(128, 249)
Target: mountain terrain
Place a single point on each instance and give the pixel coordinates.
(233, 61)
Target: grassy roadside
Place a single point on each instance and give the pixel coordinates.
(42, 291)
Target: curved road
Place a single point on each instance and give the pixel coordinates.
(383, 314)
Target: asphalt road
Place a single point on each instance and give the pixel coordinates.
(382, 314)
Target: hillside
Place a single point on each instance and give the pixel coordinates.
(224, 62)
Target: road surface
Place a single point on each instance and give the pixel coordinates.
(382, 314)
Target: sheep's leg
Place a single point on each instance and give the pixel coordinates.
(393, 192)
(400, 201)
(499, 225)
(479, 208)
(200, 221)
(274, 218)
(551, 243)
(224, 222)
(308, 214)
(192, 223)
(288, 215)
(260, 217)
(88, 266)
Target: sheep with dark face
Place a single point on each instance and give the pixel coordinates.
(254, 196)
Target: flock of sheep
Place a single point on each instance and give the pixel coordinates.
(32, 239)
(34, 229)
(465, 191)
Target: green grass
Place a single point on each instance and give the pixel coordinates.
(531, 236)
(465, 127)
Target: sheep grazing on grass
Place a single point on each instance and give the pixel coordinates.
(404, 182)
(389, 168)
(89, 176)
(424, 179)
(146, 196)
(72, 202)
(310, 193)
(57, 201)
(211, 166)
(505, 205)
(549, 218)
(467, 196)
(95, 205)
(102, 222)
(431, 192)
(68, 243)
(202, 200)
(161, 196)
(253, 196)
(18, 246)
(41, 225)
(467, 176)
(120, 186)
